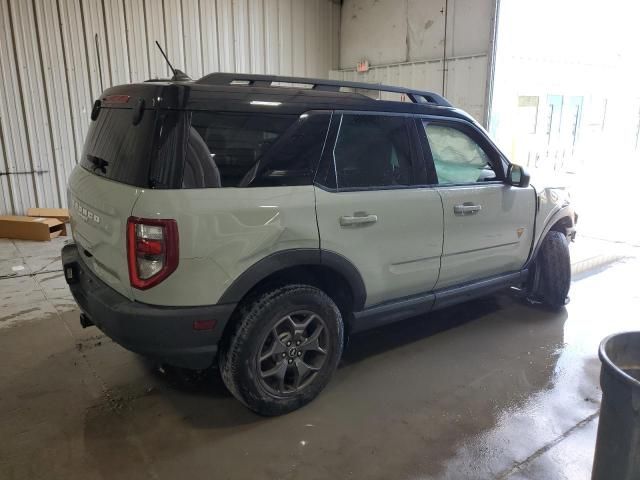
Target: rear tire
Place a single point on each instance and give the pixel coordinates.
(551, 275)
(285, 347)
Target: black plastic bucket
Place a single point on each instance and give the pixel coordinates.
(618, 444)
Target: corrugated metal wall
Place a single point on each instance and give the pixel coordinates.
(465, 80)
(50, 73)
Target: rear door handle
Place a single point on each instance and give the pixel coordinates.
(357, 219)
(467, 208)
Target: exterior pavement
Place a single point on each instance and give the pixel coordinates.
(490, 389)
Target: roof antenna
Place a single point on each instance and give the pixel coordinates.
(178, 75)
(99, 65)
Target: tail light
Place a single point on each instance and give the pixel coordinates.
(152, 250)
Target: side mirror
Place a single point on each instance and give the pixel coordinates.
(518, 176)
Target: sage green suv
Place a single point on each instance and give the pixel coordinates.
(248, 222)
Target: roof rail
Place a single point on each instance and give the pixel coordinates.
(416, 96)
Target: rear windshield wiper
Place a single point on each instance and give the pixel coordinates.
(98, 163)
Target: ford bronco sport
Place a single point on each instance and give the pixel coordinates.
(254, 221)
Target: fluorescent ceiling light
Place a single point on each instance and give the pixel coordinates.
(266, 104)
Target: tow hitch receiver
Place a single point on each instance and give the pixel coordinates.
(71, 273)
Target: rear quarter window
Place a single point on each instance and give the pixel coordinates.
(294, 160)
(223, 147)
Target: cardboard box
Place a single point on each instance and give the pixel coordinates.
(31, 228)
(61, 214)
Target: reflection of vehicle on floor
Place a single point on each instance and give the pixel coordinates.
(249, 220)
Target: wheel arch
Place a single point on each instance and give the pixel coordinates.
(562, 225)
(562, 221)
(329, 271)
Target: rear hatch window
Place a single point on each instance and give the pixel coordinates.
(117, 149)
(147, 154)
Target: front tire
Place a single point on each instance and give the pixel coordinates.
(551, 275)
(285, 347)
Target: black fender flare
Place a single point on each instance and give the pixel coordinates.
(298, 257)
(563, 212)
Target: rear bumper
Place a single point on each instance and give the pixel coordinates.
(165, 334)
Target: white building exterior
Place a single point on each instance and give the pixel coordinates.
(57, 56)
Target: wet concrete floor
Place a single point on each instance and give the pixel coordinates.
(490, 389)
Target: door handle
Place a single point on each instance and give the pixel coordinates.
(357, 219)
(467, 208)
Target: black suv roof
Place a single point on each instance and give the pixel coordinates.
(249, 92)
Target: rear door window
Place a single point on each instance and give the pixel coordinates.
(223, 147)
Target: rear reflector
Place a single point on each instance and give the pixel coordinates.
(204, 324)
(152, 250)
